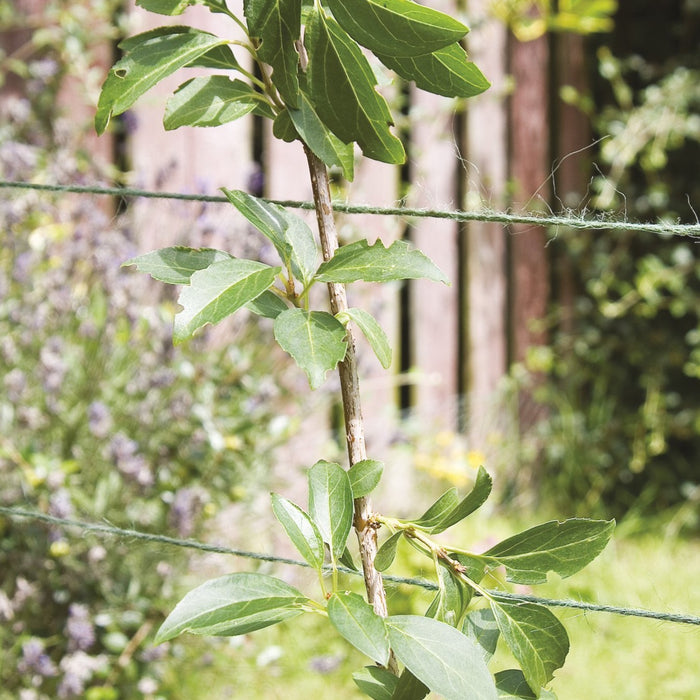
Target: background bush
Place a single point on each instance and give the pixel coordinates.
(621, 372)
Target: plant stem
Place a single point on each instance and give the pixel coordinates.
(350, 387)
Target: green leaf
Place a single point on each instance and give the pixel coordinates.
(453, 598)
(324, 143)
(441, 657)
(355, 620)
(387, 552)
(442, 506)
(563, 547)
(535, 636)
(374, 333)
(330, 504)
(209, 101)
(166, 7)
(346, 560)
(302, 531)
(289, 234)
(148, 61)
(409, 687)
(283, 128)
(232, 605)
(480, 625)
(396, 27)
(377, 683)
(267, 217)
(277, 23)
(474, 566)
(304, 256)
(177, 7)
(512, 685)
(177, 264)
(218, 291)
(445, 72)
(341, 87)
(220, 58)
(376, 263)
(268, 305)
(315, 339)
(474, 500)
(364, 476)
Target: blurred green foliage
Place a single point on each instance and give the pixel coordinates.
(621, 375)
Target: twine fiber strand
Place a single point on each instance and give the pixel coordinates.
(103, 529)
(505, 218)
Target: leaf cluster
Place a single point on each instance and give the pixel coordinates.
(448, 649)
(317, 82)
(216, 285)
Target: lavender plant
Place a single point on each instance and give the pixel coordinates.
(316, 84)
(101, 419)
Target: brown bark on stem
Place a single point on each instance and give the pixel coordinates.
(350, 387)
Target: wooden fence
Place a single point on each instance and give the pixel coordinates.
(492, 151)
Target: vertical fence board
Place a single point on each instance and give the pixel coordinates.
(529, 139)
(434, 306)
(485, 362)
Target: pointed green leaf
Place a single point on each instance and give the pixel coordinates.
(330, 504)
(480, 625)
(232, 605)
(445, 72)
(315, 339)
(442, 506)
(563, 547)
(341, 87)
(409, 687)
(323, 142)
(220, 58)
(474, 500)
(376, 263)
(218, 291)
(453, 598)
(396, 27)
(535, 636)
(177, 7)
(283, 128)
(209, 101)
(175, 265)
(364, 476)
(268, 305)
(474, 566)
(304, 256)
(131, 42)
(512, 685)
(347, 561)
(355, 620)
(277, 23)
(148, 62)
(166, 7)
(374, 333)
(290, 235)
(376, 683)
(301, 530)
(441, 657)
(387, 552)
(268, 218)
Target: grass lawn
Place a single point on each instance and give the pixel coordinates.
(611, 657)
